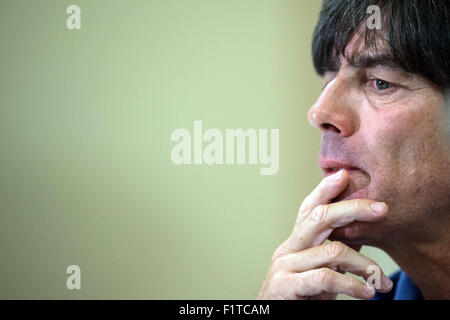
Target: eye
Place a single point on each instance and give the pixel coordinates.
(381, 84)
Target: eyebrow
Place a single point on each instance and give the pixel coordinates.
(363, 61)
(369, 61)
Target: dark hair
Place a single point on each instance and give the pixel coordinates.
(417, 32)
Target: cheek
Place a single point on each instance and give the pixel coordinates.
(385, 137)
(405, 147)
(397, 147)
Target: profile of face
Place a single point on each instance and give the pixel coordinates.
(387, 127)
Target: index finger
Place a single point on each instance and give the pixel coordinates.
(325, 218)
(328, 189)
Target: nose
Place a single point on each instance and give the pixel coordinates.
(334, 110)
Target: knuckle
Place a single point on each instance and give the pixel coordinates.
(284, 249)
(335, 249)
(358, 204)
(320, 213)
(321, 276)
(278, 277)
(283, 287)
(280, 263)
(276, 256)
(302, 214)
(350, 283)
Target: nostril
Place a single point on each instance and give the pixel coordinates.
(328, 126)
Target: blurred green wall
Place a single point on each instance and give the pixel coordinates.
(85, 123)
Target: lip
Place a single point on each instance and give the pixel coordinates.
(330, 166)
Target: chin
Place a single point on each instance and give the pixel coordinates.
(362, 233)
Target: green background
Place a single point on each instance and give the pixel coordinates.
(85, 124)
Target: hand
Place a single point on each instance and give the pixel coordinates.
(304, 267)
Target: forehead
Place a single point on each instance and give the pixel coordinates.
(357, 44)
(359, 54)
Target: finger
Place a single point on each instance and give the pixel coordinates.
(336, 256)
(324, 219)
(316, 281)
(328, 189)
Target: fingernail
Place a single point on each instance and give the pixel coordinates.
(337, 175)
(369, 289)
(386, 282)
(378, 207)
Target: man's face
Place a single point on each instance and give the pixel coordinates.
(385, 127)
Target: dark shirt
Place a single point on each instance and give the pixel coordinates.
(404, 289)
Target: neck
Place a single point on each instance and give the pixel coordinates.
(425, 257)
